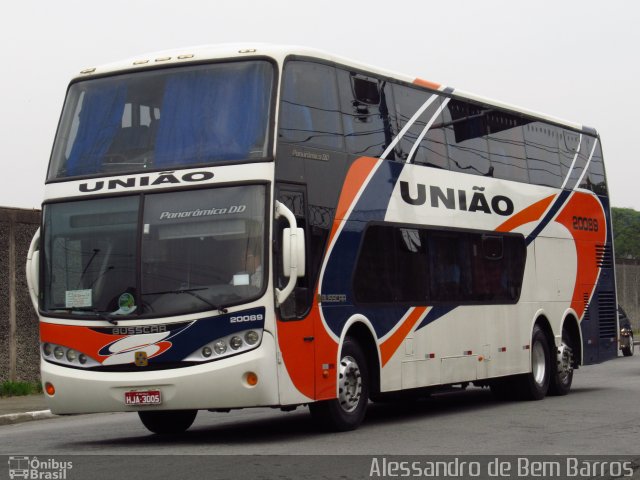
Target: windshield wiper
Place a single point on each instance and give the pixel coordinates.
(192, 292)
(95, 311)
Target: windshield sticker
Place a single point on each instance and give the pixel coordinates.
(126, 304)
(203, 213)
(241, 279)
(77, 298)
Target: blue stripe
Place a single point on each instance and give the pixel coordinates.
(557, 205)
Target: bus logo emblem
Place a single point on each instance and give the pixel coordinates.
(141, 359)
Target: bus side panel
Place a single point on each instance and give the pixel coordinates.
(594, 298)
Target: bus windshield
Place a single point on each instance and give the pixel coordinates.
(161, 119)
(156, 254)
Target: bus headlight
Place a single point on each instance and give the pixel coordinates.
(58, 352)
(67, 356)
(232, 344)
(235, 342)
(220, 347)
(251, 337)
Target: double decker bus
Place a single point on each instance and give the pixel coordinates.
(231, 227)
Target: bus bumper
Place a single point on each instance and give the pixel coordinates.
(218, 384)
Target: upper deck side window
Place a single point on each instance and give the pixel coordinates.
(340, 109)
(164, 119)
(309, 107)
(337, 109)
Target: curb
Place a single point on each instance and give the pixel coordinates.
(11, 418)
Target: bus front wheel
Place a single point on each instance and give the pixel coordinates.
(347, 411)
(168, 421)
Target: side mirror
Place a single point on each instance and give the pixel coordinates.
(293, 256)
(33, 269)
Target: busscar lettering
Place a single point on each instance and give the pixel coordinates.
(139, 330)
(453, 199)
(161, 178)
(333, 298)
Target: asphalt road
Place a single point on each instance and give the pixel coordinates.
(601, 416)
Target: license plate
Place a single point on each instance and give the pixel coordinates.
(149, 397)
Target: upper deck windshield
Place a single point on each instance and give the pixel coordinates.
(163, 119)
(155, 254)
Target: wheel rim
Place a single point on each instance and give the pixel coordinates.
(565, 363)
(538, 363)
(349, 384)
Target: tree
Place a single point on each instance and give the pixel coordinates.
(626, 232)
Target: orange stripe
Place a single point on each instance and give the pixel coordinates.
(83, 339)
(529, 214)
(389, 347)
(586, 206)
(297, 354)
(427, 84)
(356, 176)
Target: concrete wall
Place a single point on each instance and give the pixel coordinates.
(19, 345)
(628, 280)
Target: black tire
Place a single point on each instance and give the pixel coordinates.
(627, 350)
(562, 366)
(348, 410)
(535, 384)
(168, 421)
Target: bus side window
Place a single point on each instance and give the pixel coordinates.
(543, 160)
(570, 143)
(309, 111)
(432, 149)
(506, 146)
(368, 114)
(594, 180)
(466, 133)
(392, 266)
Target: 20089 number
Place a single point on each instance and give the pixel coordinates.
(585, 223)
(247, 318)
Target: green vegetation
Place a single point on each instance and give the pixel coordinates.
(626, 232)
(14, 389)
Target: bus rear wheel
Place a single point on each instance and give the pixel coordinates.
(535, 385)
(627, 350)
(168, 421)
(562, 375)
(348, 410)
